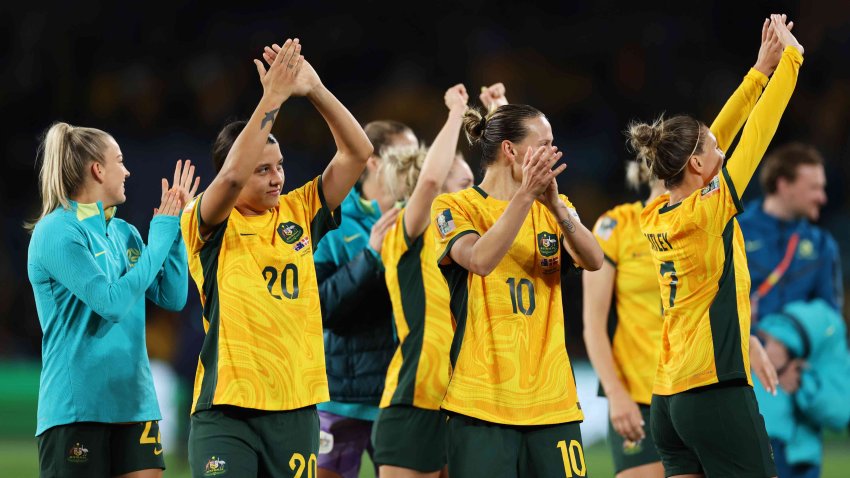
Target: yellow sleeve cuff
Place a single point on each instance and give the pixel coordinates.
(793, 53)
(757, 76)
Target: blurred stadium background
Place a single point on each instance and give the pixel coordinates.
(164, 77)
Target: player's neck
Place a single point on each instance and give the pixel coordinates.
(691, 183)
(499, 182)
(371, 189)
(88, 195)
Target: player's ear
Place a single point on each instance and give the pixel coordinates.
(97, 172)
(695, 163)
(509, 150)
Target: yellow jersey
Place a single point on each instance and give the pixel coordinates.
(419, 371)
(263, 347)
(635, 328)
(509, 357)
(698, 248)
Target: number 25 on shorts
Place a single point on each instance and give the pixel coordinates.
(573, 456)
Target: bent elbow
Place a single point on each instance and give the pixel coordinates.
(428, 184)
(479, 269)
(595, 264)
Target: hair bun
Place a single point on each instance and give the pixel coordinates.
(474, 124)
(645, 139)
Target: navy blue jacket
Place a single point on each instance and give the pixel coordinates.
(814, 273)
(356, 312)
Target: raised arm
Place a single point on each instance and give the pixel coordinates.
(278, 83)
(170, 288)
(438, 163)
(738, 107)
(353, 146)
(765, 117)
(70, 262)
(481, 254)
(493, 96)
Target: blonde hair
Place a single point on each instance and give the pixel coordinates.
(400, 168)
(637, 174)
(65, 153)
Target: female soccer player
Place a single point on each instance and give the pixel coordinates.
(705, 420)
(511, 396)
(90, 272)
(627, 360)
(262, 368)
(625, 353)
(409, 434)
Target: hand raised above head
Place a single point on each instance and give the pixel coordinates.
(456, 98)
(306, 80)
(280, 79)
(783, 32)
(493, 96)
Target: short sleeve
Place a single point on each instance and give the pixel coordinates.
(322, 219)
(607, 235)
(190, 226)
(716, 204)
(396, 242)
(451, 221)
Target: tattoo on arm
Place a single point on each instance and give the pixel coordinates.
(269, 118)
(568, 225)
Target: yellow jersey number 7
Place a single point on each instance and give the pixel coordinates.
(669, 268)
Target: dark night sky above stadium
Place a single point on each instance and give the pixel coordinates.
(164, 77)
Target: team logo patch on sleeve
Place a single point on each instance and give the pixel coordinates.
(289, 232)
(547, 243)
(713, 186)
(605, 227)
(445, 223)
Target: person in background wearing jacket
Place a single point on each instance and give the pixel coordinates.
(357, 312)
(813, 331)
(790, 260)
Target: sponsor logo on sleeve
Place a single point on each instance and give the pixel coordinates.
(605, 227)
(712, 187)
(445, 223)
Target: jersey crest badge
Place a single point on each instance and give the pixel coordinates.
(133, 255)
(547, 243)
(713, 186)
(605, 227)
(445, 223)
(289, 232)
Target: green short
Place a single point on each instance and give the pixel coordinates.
(410, 437)
(477, 448)
(628, 454)
(87, 449)
(715, 431)
(233, 441)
